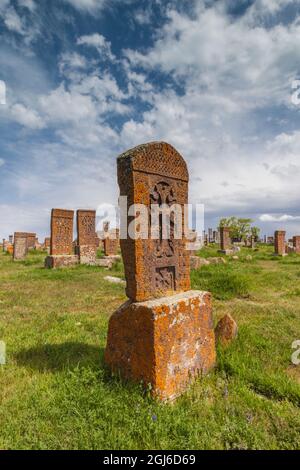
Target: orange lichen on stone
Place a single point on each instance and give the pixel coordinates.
(164, 342)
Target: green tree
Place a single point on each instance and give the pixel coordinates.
(240, 228)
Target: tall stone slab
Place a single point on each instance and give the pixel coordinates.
(111, 244)
(225, 241)
(154, 174)
(296, 243)
(20, 248)
(61, 250)
(280, 243)
(163, 335)
(86, 238)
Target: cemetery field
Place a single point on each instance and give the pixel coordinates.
(55, 392)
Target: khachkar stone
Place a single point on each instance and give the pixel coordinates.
(163, 336)
(225, 240)
(280, 243)
(61, 250)
(30, 238)
(20, 248)
(296, 244)
(111, 244)
(86, 240)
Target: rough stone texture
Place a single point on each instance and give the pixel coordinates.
(149, 174)
(227, 252)
(217, 260)
(86, 239)
(225, 241)
(226, 330)
(105, 263)
(30, 238)
(20, 248)
(61, 232)
(196, 262)
(164, 342)
(110, 246)
(114, 280)
(296, 243)
(60, 261)
(280, 243)
(61, 249)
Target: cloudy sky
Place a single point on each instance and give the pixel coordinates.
(88, 79)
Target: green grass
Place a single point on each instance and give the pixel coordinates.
(55, 392)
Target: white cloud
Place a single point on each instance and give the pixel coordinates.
(29, 4)
(87, 5)
(61, 106)
(278, 218)
(99, 42)
(26, 117)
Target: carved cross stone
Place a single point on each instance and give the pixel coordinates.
(61, 232)
(155, 174)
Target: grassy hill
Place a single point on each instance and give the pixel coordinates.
(56, 393)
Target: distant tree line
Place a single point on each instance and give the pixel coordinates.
(240, 229)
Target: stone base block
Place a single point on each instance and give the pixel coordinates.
(61, 261)
(164, 342)
(196, 262)
(87, 255)
(227, 252)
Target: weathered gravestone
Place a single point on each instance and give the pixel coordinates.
(11, 239)
(162, 336)
(30, 238)
(225, 240)
(20, 248)
(111, 243)
(61, 250)
(280, 249)
(86, 238)
(296, 243)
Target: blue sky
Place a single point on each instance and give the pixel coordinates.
(87, 79)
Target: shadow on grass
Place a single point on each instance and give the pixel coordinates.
(64, 356)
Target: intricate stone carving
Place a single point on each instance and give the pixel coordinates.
(86, 227)
(154, 173)
(61, 232)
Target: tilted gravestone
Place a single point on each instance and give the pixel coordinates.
(61, 250)
(164, 334)
(86, 236)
